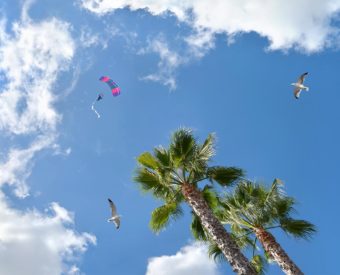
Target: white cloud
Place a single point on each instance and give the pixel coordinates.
(195, 46)
(30, 61)
(17, 167)
(35, 243)
(169, 62)
(74, 270)
(200, 42)
(32, 55)
(305, 25)
(155, 7)
(191, 259)
(57, 150)
(90, 39)
(31, 58)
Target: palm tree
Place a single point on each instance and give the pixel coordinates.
(254, 209)
(245, 241)
(172, 174)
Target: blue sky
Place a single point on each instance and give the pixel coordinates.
(223, 68)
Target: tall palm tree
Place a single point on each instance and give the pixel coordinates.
(172, 174)
(254, 209)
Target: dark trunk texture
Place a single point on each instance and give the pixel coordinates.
(276, 252)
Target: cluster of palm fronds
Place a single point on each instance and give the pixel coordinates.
(249, 209)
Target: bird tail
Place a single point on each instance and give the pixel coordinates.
(307, 89)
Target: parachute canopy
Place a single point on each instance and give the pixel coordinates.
(113, 86)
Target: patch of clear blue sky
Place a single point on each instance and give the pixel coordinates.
(240, 92)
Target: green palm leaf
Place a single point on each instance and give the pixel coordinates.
(207, 151)
(197, 229)
(210, 196)
(203, 154)
(148, 160)
(163, 157)
(298, 228)
(183, 147)
(259, 263)
(225, 176)
(149, 182)
(215, 253)
(161, 216)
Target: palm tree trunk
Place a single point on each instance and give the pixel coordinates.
(276, 252)
(217, 232)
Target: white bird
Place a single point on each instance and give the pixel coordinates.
(299, 86)
(115, 218)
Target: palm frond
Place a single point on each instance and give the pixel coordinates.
(298, 228)
(148, 160)
(203, 154)
(148, 179)
(210, 196)
(238, 230)
(243, 241)
(243, 194)
(150, 182)
(274, 193)
(206, 151)
(163, 157)
(197, 229)
(215, 253)
(182, 147)
(283, 207)
(225, 176)
(259, 263)
(161, 216)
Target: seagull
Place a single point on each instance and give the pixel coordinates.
(299, 86)
(115, 217)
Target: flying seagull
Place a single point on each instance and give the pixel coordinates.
(115, 217)
(299, 86)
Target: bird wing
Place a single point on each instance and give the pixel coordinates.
(297, 92)
(116, 220)
(113, 208)
(302, 78)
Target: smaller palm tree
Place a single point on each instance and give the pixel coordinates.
(254, 209)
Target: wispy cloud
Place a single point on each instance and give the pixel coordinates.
(200, 42)
(30, 62)
(305, 25)
(191, 259)
(169, 62)
(16, 168)
(90, 39)
(188, 49)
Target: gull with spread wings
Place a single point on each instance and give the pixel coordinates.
(299, 86)
(115, 218)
